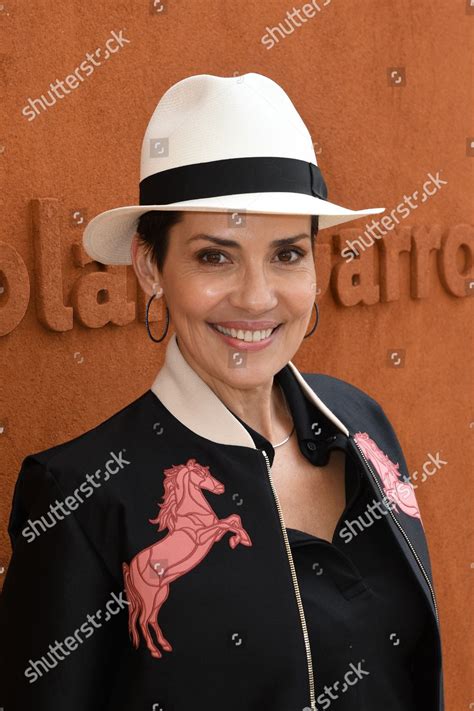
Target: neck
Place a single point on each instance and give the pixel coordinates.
(263, 407)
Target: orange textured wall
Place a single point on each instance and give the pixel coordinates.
(386, 91)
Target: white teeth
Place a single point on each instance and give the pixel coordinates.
(248, 336)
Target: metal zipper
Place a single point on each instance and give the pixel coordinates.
(374, 477)
(297, 590)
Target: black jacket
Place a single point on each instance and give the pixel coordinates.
(142, 547)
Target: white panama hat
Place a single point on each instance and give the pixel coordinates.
(226, 144)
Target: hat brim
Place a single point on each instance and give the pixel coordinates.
(107, 238)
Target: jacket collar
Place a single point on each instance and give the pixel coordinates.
(191, 401)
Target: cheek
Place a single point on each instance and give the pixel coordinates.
(300, 291)
(197, 294)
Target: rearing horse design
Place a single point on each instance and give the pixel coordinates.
(193, 528)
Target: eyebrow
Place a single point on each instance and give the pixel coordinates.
(222, 242)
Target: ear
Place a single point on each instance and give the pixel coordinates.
(146, 272)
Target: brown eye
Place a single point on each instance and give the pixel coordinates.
(210, 253)
(298, 252)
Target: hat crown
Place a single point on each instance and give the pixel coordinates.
(221, 144)
(206, 118)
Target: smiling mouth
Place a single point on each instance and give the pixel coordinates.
(248, 336)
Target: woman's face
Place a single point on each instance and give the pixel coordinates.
(250, 277)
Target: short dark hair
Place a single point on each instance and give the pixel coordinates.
(154, 232)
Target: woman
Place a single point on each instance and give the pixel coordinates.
(242, 535)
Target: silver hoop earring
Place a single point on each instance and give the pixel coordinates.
(316, 323)
(156, 340)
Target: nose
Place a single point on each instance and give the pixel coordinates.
(255, 291)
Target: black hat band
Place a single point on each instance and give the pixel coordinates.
(233, 176)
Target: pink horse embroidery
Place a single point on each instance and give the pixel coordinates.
(400, 492)
(193, 528)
